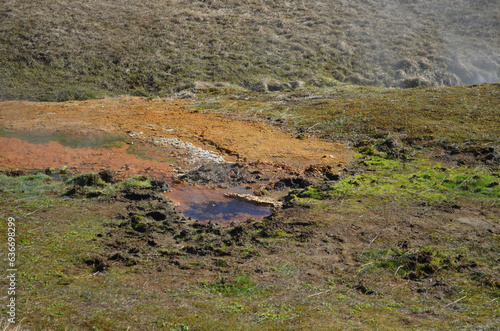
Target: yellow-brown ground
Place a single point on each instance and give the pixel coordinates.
(239, 139)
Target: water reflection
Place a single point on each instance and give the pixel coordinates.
(205, 204)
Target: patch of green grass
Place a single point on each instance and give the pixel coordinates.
(57, 238)
(30, 193)
(278, 312)
(430, 261)
(286, 269)
(233, 307)
(310, 192)
(137, 181)
(93, 185)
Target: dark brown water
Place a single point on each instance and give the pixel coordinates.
(205, 204)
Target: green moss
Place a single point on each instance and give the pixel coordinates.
(137, 181)
(378, 162)
(418, 180)
(310, 192)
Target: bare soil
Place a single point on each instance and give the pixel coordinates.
(237, 139)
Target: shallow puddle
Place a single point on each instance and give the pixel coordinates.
(96, 153)
(205, 204)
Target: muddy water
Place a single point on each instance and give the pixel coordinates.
(205, 204)
(96, 153)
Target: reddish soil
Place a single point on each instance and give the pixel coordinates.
(16, 153)
(238, 139)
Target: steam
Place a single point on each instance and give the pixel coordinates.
(473, 46)
(472, 63)
(461, 41)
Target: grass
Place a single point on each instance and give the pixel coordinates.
(274, 291)
(402, 239)
(5, 325)
(153, 48)
(242, 286)
(427, 183)
(418, 181)
(446, 117)
(93, 185)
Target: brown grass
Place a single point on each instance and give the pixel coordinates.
(77, 50)
(5, 325)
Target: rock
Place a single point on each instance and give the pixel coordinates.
(412, 82)
(297, 84)
(261, 201)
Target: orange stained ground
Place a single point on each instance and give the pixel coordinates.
(235, 139)
(15, 153)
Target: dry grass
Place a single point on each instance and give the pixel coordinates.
(5, 325)
(76, 49)
(453, 117)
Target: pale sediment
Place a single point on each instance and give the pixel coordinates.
(197, 154)
(262, 201)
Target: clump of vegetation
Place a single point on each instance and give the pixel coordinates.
(88, 180)
(418, 181)
(416, 263)
(104, 184)
(310, 192)
(137, 182)
(242, 286)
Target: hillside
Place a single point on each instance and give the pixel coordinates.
(59, 50)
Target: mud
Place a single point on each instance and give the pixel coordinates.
(17, 153)
(238, 138)
(167, 140)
